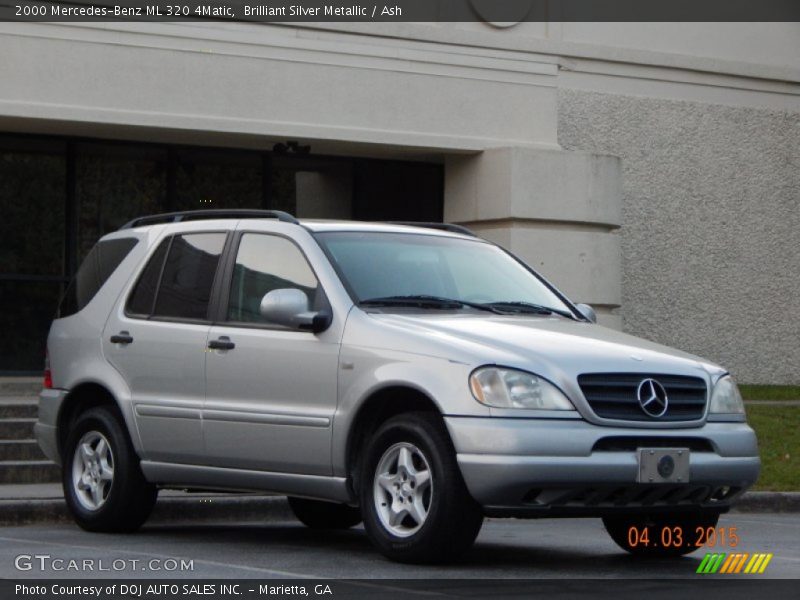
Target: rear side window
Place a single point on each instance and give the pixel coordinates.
(95, 270)
(177, 280)
(144, 294)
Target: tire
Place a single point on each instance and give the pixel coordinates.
(437, 520)
(681, 527)
(324, 515)
(103, 485)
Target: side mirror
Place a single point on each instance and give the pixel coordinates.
(289, 307)
(587, 311)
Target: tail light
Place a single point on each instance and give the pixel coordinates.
(48, 376)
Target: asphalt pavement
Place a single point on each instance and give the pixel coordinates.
(559, 548)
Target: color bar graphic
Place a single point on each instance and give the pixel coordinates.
(734, 563)
(710, 563)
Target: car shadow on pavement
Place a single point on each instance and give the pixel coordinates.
(348, 553)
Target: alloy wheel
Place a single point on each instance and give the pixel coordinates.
(403, 489)
(92, 470)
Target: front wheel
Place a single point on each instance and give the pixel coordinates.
(662, 535)
(415, 504)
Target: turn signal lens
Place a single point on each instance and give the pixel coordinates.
(726, 398)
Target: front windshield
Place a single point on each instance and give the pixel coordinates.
(401, 265)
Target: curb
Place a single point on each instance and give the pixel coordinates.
(777, 502)
(204, 509)
(168, 510)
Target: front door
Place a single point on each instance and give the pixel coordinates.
(157, 340)
(271, 390)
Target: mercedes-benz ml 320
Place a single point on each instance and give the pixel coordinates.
(415, 378)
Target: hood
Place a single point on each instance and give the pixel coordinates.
(552, 346)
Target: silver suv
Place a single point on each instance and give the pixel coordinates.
(417, 378)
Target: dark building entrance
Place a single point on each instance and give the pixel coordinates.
(59, 195)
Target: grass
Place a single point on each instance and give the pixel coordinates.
(778, 431)
(770, 392)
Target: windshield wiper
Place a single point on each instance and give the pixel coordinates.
(426, 301)
(439, 302)
(529, 307)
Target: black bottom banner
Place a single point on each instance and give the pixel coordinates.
(389, 589)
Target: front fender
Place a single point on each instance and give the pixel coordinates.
(364, 372)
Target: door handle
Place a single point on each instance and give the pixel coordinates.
(223, 343)
(123, 337)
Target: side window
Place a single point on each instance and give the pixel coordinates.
(143, 298)
(96, 268)
(265, 263)
(188, 275)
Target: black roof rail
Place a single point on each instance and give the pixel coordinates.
(217, 213)
(451, 227)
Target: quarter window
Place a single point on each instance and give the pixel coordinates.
(144, 294)
(98, 266)
(265, 263)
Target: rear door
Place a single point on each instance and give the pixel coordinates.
(156, 338)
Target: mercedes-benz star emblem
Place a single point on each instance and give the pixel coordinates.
(652, 398)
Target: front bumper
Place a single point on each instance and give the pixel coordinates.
(548, 467)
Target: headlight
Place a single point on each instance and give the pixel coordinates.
(726, 398)
(509, 388)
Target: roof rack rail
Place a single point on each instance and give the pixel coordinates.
(451, 227)
(219, 213)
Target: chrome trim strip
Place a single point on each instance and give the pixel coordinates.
(264, 418)
(176, 412)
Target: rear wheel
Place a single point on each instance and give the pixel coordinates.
(415, 504)
(661, 535)
(324, 515)
(103, 484)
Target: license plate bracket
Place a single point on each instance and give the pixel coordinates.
(663, 465)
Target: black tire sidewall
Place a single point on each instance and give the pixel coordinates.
(430, 543)
(129, 494)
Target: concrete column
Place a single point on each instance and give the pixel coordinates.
(558, 210)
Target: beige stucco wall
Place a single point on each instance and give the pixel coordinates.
(710, 224)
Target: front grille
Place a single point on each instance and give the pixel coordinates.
(613, 396)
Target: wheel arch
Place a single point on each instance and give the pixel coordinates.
(380, 406)
(83, 397)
